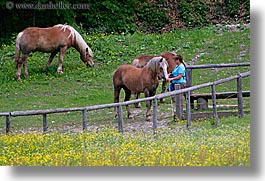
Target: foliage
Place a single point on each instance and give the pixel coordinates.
(232, 7)
(227, 145)
(194, 13)
(127, 16)
(201, 13)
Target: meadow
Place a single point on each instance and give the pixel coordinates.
(226, 145)
(80, 86)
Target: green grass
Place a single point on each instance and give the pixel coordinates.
(80, 86)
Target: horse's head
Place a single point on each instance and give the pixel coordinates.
(160, 66)
(170, 58)
(163, 66)
(87, 58)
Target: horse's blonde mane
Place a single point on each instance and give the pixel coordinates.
(153, 62)
(78, 38)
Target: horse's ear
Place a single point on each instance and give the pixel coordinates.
(161, 59)
(175, 58)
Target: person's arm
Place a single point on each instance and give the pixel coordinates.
(175, 78)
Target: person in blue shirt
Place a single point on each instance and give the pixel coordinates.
(178, 75)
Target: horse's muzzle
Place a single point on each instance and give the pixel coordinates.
(90, 65)
(162, 77)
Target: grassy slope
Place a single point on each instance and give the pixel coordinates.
(79, 86)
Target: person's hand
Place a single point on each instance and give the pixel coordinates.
(169, 79)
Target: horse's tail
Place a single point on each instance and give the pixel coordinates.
(135, 62)
(17, 56)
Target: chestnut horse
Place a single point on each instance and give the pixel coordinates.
(138, 80)
(142, 60)
(50, 40)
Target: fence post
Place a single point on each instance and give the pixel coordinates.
(188, 110)
(45, 123)
(189, 77)
(120, 119)
(215, 116)
(84, 119)
(189, 82)
(7, 124)
(179, 107)
(240, 97)
(154, 114)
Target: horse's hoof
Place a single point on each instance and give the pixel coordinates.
(138, 106)
(148, 118)
(130, 116)
(60, 71)
(163, 100)
(17, 77)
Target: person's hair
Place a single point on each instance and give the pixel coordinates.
(180, 58)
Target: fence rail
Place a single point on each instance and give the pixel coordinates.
(222, 65)
(155, 98)
(189, 69)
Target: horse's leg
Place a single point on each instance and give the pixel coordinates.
(137, 105)
(164, 82)
(148, 106)
(50, 61)
(19, 64)
(60, 62)
(127, 98)
(116, 98)
(26, 73)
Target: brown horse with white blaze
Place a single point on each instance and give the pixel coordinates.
(56, 39)
(139, 80)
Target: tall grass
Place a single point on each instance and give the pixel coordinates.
(227, 145)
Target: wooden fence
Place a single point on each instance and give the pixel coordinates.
(189, 69)
(154, 99)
